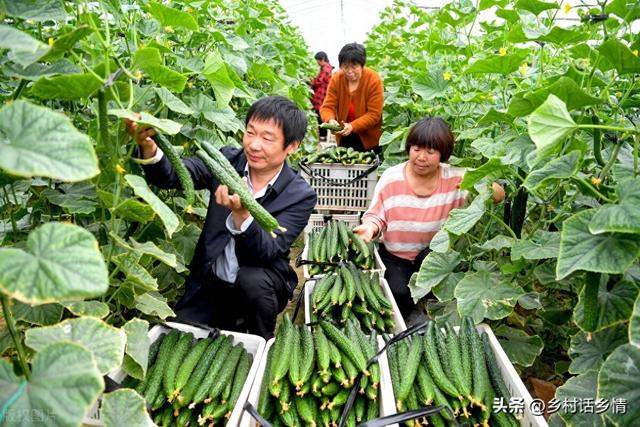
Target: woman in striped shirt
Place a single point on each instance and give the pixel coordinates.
(411, 202)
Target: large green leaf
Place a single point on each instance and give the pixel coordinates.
(462, 220)
(34, 71)
(549, 124)
(169, 16)
(542, 245)
(551, 172)
(42, 314)
(24, 49)
(589, 350)
(614, 305)
(68, 86)
(634, 324)
(128, 263)
(150, 248)
(36, 10)
(105, 342)
(535, 6)
(224, 119)
(184, 241)
(522, 349)
(491, 170)
(164, 125)
(497, 64)
(137, 349)
(146, 56)
(142, 190)
(134, 210)
(61, 262)
(95, 309)
(440, 242)
(565, 89)
(124, 407)
(484, 295)
(64, 383)
(435, 269)
(623, 217)
(497, 243)
(215, 71)
(37, 141)
(66, 42)
(154, 304)
(577, 389)
(620, 56)
(72, 203)
(619, 378)
(429, 85)
(173, 102)
(601, 253)
(563, 36)
(629, 10)
(166, 77)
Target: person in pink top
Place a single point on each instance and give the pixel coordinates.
(410, 203)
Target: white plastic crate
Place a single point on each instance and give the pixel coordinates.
(380, 268)
(511, 379)
(397, 317)
(254, 344)
(335, 189)
(387, 403)
(317, 223)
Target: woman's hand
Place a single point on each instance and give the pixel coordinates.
(143, 137)
(346, 130)
(366, 231)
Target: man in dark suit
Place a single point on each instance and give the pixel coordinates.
(239, 271)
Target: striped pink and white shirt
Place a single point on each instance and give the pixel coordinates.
(408, 221)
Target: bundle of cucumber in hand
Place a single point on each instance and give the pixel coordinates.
(332, 127)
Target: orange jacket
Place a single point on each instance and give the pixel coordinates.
(367, 100)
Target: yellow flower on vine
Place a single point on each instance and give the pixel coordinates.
(596, 181)
(189, 84)
(635, 52)
(168, 29)
(120, 169)
(502, 51)
(524, 68)
(567, 7)
(50, 41)
(137, 74)
(446, 75)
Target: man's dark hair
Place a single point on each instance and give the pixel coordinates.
(284, 113)
(322, 56)
(434, 133)
(352, 53)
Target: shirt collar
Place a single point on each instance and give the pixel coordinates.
(266, 187)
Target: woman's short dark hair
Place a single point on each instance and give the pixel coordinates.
(353, 53)
(322, 56)
(284, 113)
(434, 133)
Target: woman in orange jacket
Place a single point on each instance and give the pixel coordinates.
(354, 99)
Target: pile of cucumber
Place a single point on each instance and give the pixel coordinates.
(341, 155)
(194, 383)
(352, 294)
(309, 375)
(456, 370)
(336, 242)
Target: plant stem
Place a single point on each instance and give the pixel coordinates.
(14, 225)
(502, 223)
(11, 325)
(611, 161)
(605, 127)
(18, 91)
